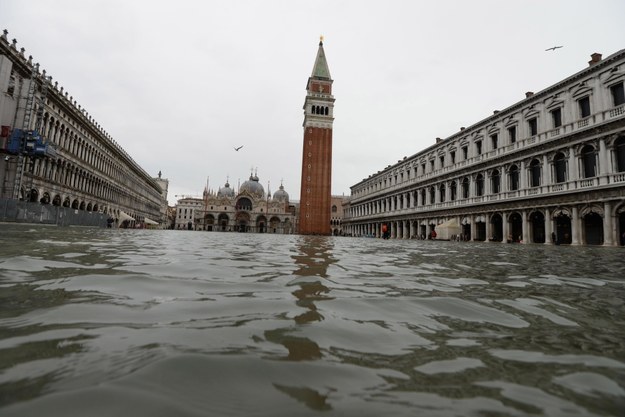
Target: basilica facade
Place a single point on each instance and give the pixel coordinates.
(548, 169)
(249, 209)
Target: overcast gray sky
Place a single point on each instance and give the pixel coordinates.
(179, 84)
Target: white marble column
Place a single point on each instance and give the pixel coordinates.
(505, 227)
(575, 226)
(608, 225)
(548, 227)
(526, 229)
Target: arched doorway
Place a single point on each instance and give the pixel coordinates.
(593, 228)
(33, 195)
(563, 228)
(209, 222)
(45, 199)
(261, 224)
(496, 227)
(516, 228)
(274, 225)
(466, 229)
(56, 201)
(242, 222)
(537, 228)
(287, 226)
(480, 228)
(223, 220)
(75, 204)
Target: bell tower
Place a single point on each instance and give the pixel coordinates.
(315, 197)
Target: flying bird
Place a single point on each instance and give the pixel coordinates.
(553, 48)
(237, 149)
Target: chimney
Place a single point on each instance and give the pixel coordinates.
(438, 140)
(495, 111)
(462, 128)
(529, 94)
(594, 59)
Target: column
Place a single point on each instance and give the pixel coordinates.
(504, 227)
(573, 176)
(546, 173)
(548, 227)
(608, 225)
(603, 163)
(522, 176)
(575, 226)
(526, 229)
(487, 220)
(473, 225)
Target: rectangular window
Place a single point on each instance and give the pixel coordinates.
(478, 147)
(533, 125)
(493, 140)
(423, 168)
(512, 134)
(452, 154)
(465, 153)
(584, 107)
(556, 116)
(431, 165)
(442, 158)
(618, 95)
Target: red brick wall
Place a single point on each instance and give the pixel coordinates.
(315, 197)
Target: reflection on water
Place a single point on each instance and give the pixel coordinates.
(161, 323)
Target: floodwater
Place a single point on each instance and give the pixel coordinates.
(101, 322)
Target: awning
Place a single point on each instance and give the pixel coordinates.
(123, 216)
(149, 221)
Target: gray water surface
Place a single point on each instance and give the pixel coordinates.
(101, 322)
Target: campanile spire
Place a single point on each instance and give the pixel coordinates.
(315, 197)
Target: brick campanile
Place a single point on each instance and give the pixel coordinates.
(315, 197)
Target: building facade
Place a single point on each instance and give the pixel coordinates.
(247, 210)
(337, 214)
(548, 169)
(316, 182)
(55, 154)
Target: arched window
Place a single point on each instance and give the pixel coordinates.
(442, 192)
(535, 173)
(326, 111)
(479, 185)
(452, 191)
(514, 178)
(559, 164)
(589, 162)
(619, 149)
(423, 197)
(465, 188)
(432, 195)
(495, 182)
(244, 203)
(334, 209)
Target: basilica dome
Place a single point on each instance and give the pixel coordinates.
(252, 187)
(281, 195)
(225, 191)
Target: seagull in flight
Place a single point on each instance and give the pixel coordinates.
(553, 48)
(237, 149)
